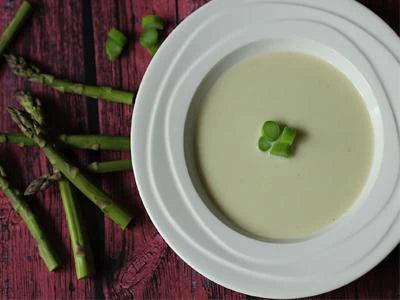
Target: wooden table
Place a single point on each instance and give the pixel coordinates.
(67, 38)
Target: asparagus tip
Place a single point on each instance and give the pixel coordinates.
(2, 172)
(20, 67)
(33, 106)
(42, 183)
(93, 166)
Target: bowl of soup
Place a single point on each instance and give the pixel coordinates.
(261, 224)
(268, 196)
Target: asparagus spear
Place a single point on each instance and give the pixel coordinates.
(84, 264)
(111, 166)
(35, 132)
(91, 142)
(46, 250)
(21, 68)
(46, 180)
(16, 23)
(97, 142)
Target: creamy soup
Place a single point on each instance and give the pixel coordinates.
(274, 197)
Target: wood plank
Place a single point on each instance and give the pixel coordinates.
(186, 7)
(122, 247)
(391, 14)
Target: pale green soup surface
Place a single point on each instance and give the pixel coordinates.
(273, 197)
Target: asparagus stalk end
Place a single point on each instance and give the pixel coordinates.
(18, 20)
(84, 264)
(46, 250)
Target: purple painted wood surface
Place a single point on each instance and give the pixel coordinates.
(67, 38)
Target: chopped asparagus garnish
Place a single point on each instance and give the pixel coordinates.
(281, 149)
(271, 130)
(276, 141)
(115, 44)
(264, 144)
(288, 136)
(149, 38)
(152, 22)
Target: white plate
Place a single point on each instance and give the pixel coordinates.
(212, 39)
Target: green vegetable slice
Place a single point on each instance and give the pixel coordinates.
(113, 50)
(281, 149)
(288, 136)
(115, 44)
(152, 22)
(117, 36)
(271, 130)
(263, 144)
(149, 38)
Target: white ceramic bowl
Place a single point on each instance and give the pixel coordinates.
(215, 37)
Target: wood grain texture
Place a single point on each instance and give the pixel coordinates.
(67, 38)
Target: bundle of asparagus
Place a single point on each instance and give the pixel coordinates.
(30, 120)
(28, 124)
(32, 124)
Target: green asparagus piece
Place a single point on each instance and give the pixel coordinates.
(264, 144)
(21, 68)
(91, 142)
(32, 106)
(97, 142)
(149, 38)
(281, 149)
(115, 44)
(83, 256)
(16, 138)
(72, 173)
(18, 20)
(46, 250)
(42, 183)
(111, 166)
(152, 22)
